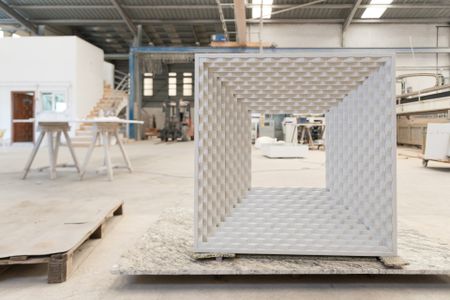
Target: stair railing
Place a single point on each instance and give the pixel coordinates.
(121, 81)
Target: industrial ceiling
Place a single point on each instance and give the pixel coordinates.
(113, 24)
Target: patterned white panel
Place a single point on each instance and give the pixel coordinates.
(293, 221)
(355, 214)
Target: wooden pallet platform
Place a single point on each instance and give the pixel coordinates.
(58, 234)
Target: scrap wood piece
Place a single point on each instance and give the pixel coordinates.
(211, 255)
(394, 262)
(3, 269)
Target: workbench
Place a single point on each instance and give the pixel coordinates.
(52, 129)
(103, 129)
(305, 129)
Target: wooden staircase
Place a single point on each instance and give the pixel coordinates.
(109, 105)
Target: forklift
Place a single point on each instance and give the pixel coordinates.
(177, 122)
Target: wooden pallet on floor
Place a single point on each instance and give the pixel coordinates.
(61, 265)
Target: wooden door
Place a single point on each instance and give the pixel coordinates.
(22, 110)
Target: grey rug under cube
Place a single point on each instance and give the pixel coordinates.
(355, 213)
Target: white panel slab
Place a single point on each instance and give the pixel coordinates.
(438, 142)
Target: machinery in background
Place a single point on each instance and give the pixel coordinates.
(289, 148)
(304, 130)
(271, 126)
(267, 128)
(178, 124)
(290, 130)
(416, 109)
(255, 126)
(412, 128)
(407, 91)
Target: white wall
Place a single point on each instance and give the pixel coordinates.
(88, 86)
(366, 35)
(108, 73)
(393, 35)
(357, 35)
(34, 64)
(301, 36)
(38, 64)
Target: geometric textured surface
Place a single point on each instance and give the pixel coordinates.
(355, 214)
(292, 221)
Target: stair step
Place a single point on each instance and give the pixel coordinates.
(112, 97)
(81, 132)
(109, 102)
(78, 139)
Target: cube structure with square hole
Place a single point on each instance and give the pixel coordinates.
(355, 214)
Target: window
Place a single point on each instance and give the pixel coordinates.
(172, 84)
(266, 9)
(54, 101)
(148, 84)
(187, 84)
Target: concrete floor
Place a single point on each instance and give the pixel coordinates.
(163, 178)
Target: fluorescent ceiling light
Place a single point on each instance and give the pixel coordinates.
(377, 11)
(266, 9)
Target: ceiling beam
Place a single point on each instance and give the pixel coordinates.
(100, 22)
(137, 40)
(226, 6)
(65, 6)
(79, 22)
(350, 16)
(16, 16)
(171, 7)
(125, 17)
(127, 6)
(118, 56)
(356, 21)
(196, 39)
(346, 6)
(408, 6)
(124, 56)
(240, 19)
(308, 4)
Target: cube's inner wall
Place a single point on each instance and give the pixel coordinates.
(360, 154)
(355, 214)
